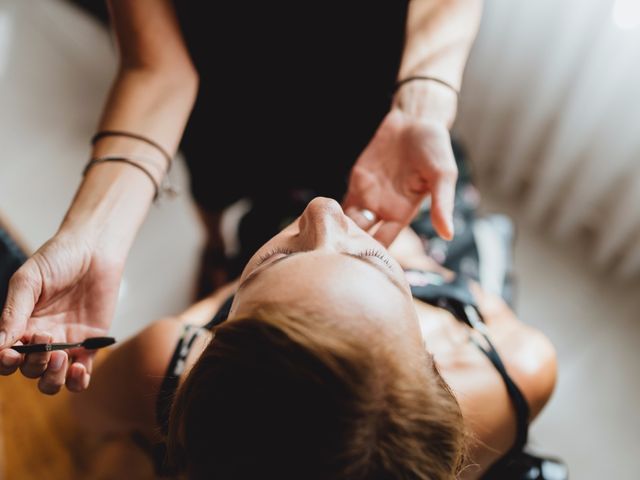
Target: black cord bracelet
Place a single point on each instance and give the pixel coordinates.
(120, 133)
(404, 81)
(97, 160)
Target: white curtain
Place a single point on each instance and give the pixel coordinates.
(550, 114)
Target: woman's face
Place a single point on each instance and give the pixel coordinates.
(325, 264)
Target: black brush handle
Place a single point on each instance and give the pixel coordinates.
(39, 347)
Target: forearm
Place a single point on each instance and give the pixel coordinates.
(152, 95)
(439, 36)
(113, 198)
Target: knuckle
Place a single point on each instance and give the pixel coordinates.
(448, 171)
(41, 337)
(20, 280)
(9, 311)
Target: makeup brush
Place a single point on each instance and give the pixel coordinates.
(90, 344)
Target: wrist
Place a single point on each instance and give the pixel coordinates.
(427, 100)
(109, 208)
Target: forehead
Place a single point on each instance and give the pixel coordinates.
(331, 284)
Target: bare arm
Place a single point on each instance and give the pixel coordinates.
(152, 95)
(410, 155)
(439, 36)
(69, 287)
(123, 394)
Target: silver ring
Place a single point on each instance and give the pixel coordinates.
(368, 215)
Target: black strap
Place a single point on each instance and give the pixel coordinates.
(171, 381)
(221, 315)
(172, 376)
(456, 297)
(452, 296)
(515, 394)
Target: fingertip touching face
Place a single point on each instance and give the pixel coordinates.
(325, 264)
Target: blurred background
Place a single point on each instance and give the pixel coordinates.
(550, 117)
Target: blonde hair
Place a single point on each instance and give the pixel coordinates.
(284, 395)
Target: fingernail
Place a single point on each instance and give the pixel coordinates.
(78, 374)
(451, 229)
(56, 362)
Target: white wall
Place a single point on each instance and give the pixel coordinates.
(550, 113)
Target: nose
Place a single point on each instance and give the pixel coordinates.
(323, 224)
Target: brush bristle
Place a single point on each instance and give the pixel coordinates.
(98, 342)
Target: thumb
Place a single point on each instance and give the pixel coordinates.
(24, 290)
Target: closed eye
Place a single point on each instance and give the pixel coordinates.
(378, 254)
(274, 251)
(362, 256)
(371, 252)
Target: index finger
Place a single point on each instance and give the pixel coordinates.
(443, 201)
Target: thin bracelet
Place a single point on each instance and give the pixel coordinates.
(400, 83)
(113, 158)
(120, 133)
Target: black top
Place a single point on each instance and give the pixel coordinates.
(428, 287)
(296, 90)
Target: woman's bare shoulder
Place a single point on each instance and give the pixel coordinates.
(531, 360)
(528, 354)
(126, 381)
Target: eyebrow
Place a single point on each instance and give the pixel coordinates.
(384, 270)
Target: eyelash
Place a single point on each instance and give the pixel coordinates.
(274, 251)
(371, 252)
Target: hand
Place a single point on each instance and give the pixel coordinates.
(407, 159)
(64, 293)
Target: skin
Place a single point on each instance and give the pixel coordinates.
(363, 294)
(68, 288)
(410, 155)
